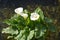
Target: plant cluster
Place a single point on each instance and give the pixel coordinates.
(28, 26)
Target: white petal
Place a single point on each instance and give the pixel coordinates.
(34, 16)
(33, 13)
(18, 10)
(24, 15)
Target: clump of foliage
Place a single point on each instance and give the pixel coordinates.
(28, 26)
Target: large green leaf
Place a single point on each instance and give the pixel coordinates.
(9, 30)
(41, 15)
(11, 22)
(21, 35)
(38, 10)
(40, 31)
(31, 34)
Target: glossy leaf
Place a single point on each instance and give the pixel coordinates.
(31, 34)
(20, 35)
(38, 10)
(9, 30)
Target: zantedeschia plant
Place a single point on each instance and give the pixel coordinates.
(25, 25)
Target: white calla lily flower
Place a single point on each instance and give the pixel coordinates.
(19, 10)
(34, 16)
(24, 16)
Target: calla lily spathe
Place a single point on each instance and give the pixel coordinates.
(34, 16)
(24, 16)
(19, 10)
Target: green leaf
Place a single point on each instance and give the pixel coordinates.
(48, 20)
(9, 30)
(30, 36)
(52, 28)
(23, 37)
(38, 10)
(25, 11)
(20, 35)
(41, 15)
(40, 31)
(9, 37)
(7, 22)
(11, 22)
